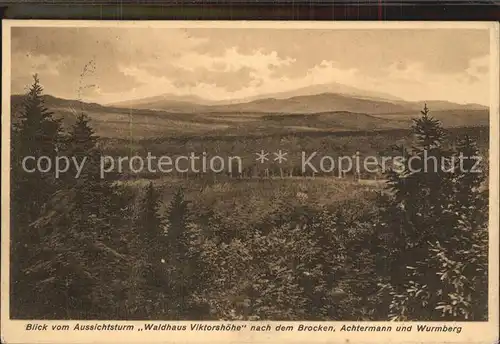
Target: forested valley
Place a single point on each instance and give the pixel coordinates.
(98, 248)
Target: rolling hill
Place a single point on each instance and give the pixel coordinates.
(167, 100)
(313, 104)
(287, 102)
(322, 112)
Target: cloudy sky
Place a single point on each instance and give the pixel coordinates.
(107, 65)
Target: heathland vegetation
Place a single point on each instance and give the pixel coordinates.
(286, 246)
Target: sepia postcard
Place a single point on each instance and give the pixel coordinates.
(250, 182)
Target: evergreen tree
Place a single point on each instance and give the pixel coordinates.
(461, 260)
(177, 220)
(470, 175)
(183, 258)
(149, 221)
(36, 134)
(151, 236)
(146, 240)
(92, 192)
(178, 241)
(424, 220)
(79, 266)
(420, 187)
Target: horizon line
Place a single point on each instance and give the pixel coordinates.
(234, 101)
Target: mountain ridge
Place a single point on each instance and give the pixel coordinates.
(136, 123)
(320, 102)
(332, 96)
(325, 102)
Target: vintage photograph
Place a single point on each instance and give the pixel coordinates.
(249, 174)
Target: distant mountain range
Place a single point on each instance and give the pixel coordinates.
(306, 104)
(304, 101)
(169, 115)
(173, 100)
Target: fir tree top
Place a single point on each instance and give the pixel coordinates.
(82, 136)
(428, 130)
(37, 132)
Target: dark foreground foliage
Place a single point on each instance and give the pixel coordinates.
(98, 250)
